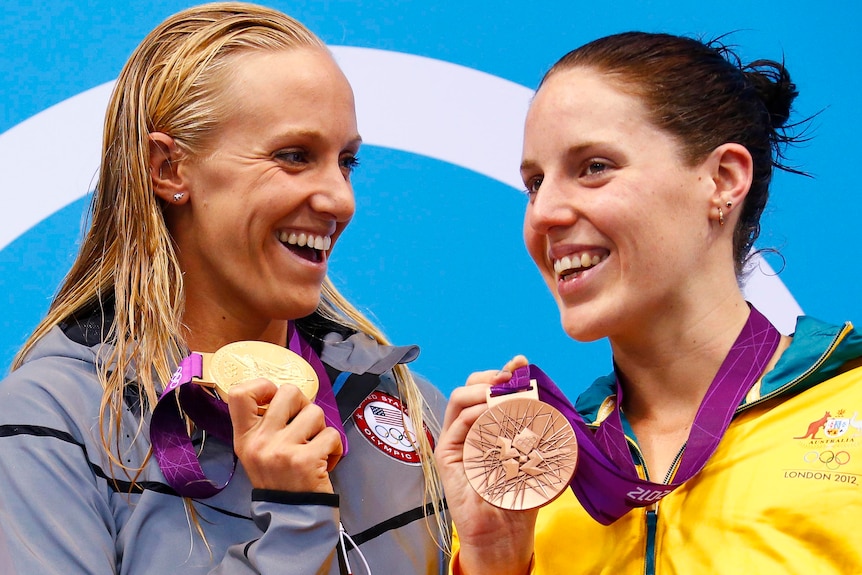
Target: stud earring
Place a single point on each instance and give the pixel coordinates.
(720, 217)
(178, 196)
(729, 204)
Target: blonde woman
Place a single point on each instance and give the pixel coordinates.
(224, 186)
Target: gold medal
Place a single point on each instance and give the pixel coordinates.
(244, 360)
(521, 453)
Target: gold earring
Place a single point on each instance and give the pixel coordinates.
(720, 217)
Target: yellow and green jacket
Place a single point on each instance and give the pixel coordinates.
(782, 494)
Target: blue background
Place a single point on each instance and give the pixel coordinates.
(434, 253)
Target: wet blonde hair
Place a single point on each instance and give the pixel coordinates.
(173, 83)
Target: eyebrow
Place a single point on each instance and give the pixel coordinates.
(355, 141)
(528, 165)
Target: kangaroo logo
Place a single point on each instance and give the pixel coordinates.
(815, 426)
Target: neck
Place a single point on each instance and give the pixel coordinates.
(661, 396)
(667, 368)
(209, 334)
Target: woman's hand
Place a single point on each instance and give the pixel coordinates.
(287, 445)
(492, 540)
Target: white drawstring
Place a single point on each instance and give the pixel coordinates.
(342, 535)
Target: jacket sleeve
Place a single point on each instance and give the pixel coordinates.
(55, 513)
(300, 535)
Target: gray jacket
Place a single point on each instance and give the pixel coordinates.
(66, 509)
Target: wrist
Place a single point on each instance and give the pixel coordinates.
(507, 559)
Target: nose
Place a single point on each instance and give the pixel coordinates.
(334, 195)
(553, 205)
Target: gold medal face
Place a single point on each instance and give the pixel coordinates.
(244, 360)
(520, 454)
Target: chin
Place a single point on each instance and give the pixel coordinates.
(579, 327)
(581, 335)
(295, 308)
(306, 310)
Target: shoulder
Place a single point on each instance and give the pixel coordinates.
(818, 352)
(434, 398)
(56, 386)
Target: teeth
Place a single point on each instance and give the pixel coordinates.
(567, 263)
(320, 243)
(576, 262)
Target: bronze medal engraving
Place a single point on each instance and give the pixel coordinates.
(520, 454)
(244, 360)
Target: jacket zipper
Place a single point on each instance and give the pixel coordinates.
(649, 554)
(651, 516)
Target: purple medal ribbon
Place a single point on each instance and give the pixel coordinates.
(171, 443)
(606, 481)
(325, 396)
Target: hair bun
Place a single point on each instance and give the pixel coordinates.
(772, 82)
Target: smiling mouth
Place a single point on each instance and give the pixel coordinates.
(307, 246)
(573, 265)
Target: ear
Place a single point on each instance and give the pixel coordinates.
(732, 170)
(165, 159)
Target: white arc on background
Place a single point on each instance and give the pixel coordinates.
(428, 107)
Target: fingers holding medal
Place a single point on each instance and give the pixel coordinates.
(280, 436)
(290, 447)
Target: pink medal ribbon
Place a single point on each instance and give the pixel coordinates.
(606, 481)
(172, 446)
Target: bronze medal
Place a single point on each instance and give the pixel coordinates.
(521, 453)
(244, 360)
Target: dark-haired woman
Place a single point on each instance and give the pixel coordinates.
(647, 161)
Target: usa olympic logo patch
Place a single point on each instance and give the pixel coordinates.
(384, 422)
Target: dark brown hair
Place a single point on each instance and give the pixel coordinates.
(703, 95)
